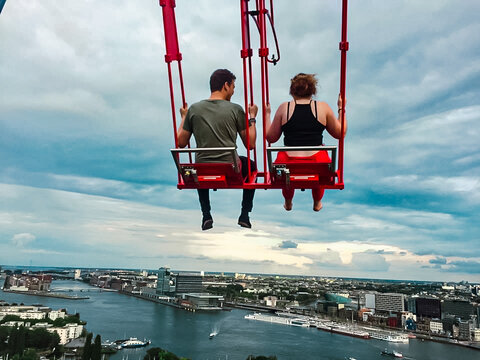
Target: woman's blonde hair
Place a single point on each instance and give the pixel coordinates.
(303, 85)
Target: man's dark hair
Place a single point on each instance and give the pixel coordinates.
(219, 78)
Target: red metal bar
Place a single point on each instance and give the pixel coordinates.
(172, 53)
(170, 27)
(172, 104)
(263, 53)
(245, 53)
(343, 77)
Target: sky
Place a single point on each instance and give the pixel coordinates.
(87, 178)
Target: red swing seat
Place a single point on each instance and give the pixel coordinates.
(304, 173)
(208, 175)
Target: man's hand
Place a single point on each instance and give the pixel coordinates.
(184, 110)
(252, 110)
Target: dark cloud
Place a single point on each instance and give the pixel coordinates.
(438, 260)
(468, 267)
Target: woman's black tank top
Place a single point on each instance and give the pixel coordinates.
(303, 128)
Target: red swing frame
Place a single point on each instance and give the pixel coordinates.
(298, 175)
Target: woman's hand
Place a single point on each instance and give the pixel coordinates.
(340, 102)
(268, 110)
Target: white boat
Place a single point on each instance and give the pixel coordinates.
(134, 343)
(279, 319)
(213, 334)
(389, 336)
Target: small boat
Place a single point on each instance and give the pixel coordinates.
(212, 335)
(134, 343)
(392, 353)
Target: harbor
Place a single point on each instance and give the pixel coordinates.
(118, 316)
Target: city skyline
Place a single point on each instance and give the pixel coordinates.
(86, 176)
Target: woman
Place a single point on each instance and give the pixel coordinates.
(302, 122)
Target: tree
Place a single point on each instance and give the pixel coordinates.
(87, 349)
(12, 341)
(3, 337)
(157, 353)
(97, 349)
(30, 354)
(8, 318)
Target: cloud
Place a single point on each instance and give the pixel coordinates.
(369, 262)
(23, 239)
(84, 153)
(468, 267)
(438, 260)
(287, 244)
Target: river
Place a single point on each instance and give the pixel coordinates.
(117, 316)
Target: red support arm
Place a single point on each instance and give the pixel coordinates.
(343, 77)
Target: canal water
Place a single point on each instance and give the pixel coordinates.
(117, 316)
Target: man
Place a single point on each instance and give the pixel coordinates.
(215, 122)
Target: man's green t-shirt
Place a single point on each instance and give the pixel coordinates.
(214, 123)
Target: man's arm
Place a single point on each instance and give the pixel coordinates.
(183, 136)
(252, 131)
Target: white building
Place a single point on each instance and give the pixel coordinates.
(370, 301)
(436, 326)
(27, 314)
(476, 335)
(67, 333)
(56, 314)
(78, 274)
(270, 301)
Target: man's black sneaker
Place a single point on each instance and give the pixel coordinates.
(207, 223)
(244, 221)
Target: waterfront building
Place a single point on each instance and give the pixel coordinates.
(390, 302)
(436, 326)
(67, 332)
(459, 308)
(165, 282)
(476, 335)
(405, 316)
(26, 282)
(370, 301)
(188, 283)
(56, 314)
(78, 274)
(465, 329)
(270, 301)
(23, 312)
(203, 301)
(428, 307)
(412, 304)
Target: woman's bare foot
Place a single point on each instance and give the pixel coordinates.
(317, 205)
(288, 205)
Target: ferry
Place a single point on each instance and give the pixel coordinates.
(342, 330)
(134, 343)
(285, 319)
(390, 337)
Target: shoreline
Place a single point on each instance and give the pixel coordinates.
(46, 294)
